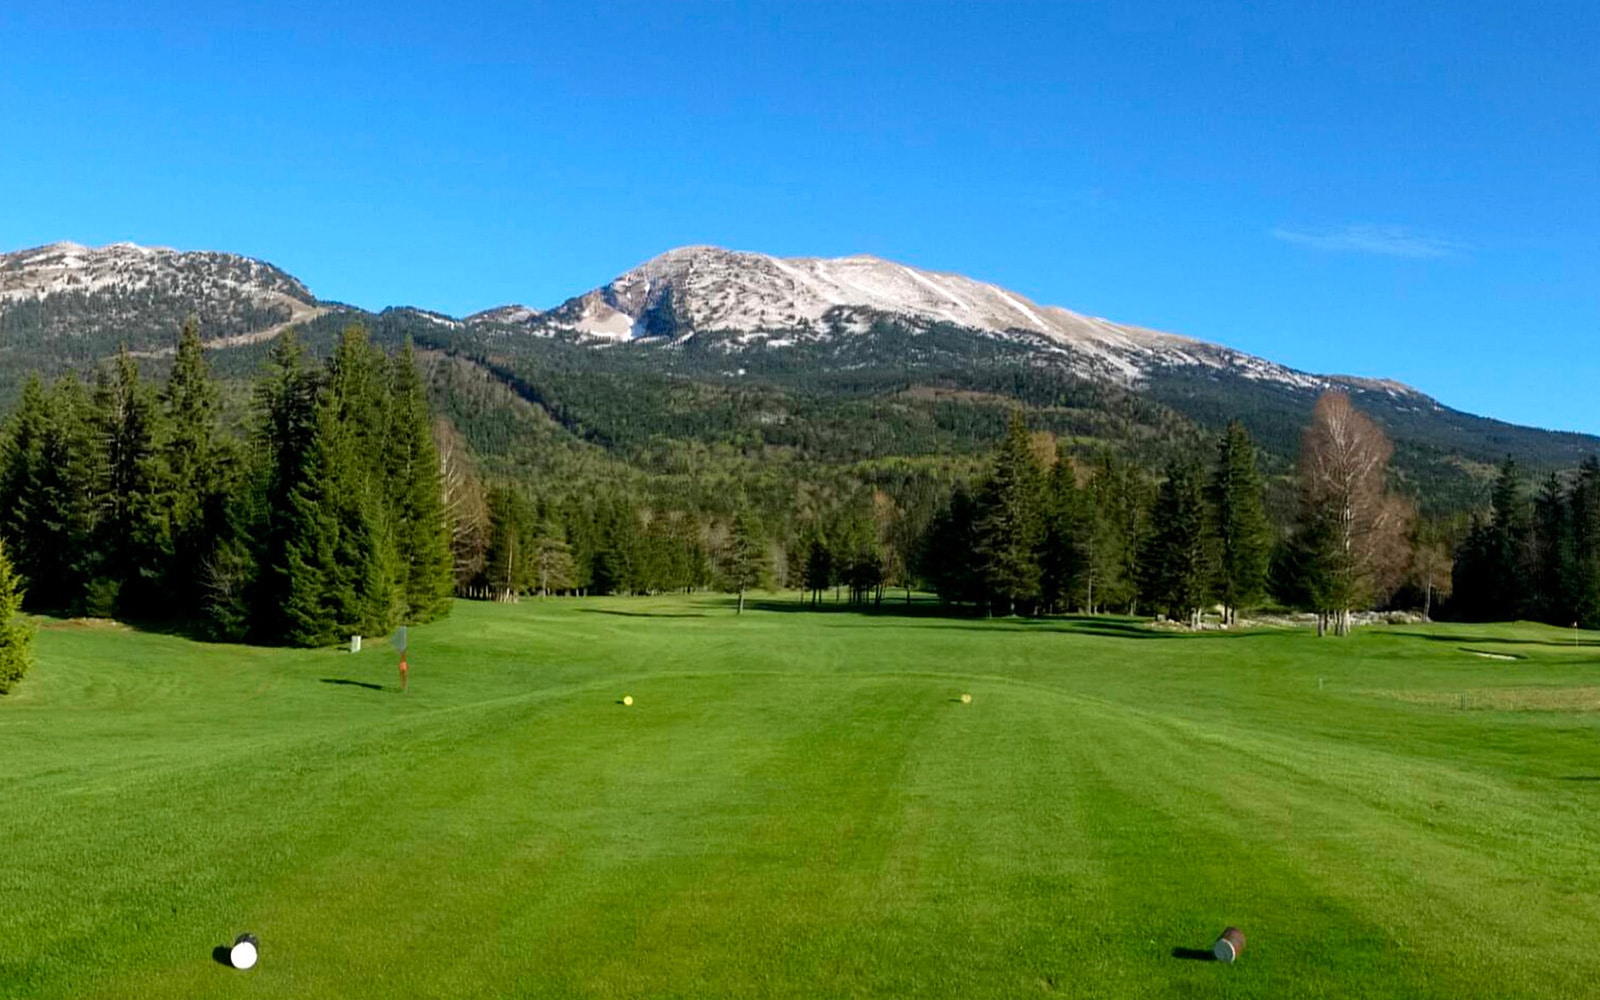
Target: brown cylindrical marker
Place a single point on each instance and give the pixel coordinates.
(1229, 946)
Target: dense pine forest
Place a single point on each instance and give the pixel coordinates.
(322, 519)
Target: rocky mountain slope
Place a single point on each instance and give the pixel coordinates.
(745, 299)
(125, 293)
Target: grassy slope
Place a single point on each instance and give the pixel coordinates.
(798, 806)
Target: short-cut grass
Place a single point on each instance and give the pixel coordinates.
(800, 805)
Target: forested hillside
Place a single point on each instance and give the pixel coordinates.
(632, 460)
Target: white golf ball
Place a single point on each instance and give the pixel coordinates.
(627, 699)
(242, 955)
(966, 699)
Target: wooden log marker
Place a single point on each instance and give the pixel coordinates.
(1229, 946)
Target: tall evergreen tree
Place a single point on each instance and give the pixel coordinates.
(319, 591)
(16, 634)
(1584, 524)
(1552, 598)
(1240, 532)
(22, 447)
(133, 541)
(817, 575)
(421, 535)
(1121, 498)
(21, 438)
(1495, 573)
(295, 532)
(69, 497)
(744, 562)
(1174, 563)
(1066, 546)
(1009, 524)
(195, 469)
(948, 557)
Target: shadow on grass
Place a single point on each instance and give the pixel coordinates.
(895, 608)
(1104, 629)
(1581, 777)
(1194, 954)
(1108, 626)
(350, 683)
(641, 614)
(220, 954)
(1494, 639)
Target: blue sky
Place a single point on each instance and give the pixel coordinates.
(1403, 189)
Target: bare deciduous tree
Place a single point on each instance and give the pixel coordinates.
(462, 499)
(1344, 463)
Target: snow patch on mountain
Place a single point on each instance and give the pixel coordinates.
(511, 315)
(122, 268)
(751, 298)
(428, 316)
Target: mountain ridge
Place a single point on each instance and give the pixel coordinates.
(685, 292)
(731, 347)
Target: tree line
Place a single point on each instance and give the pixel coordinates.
(1534, 556)
(1043, 532)
(343, 506)
(323, 519)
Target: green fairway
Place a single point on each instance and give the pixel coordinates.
(800, 805)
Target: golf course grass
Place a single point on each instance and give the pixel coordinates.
(799, 804)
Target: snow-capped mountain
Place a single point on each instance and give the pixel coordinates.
(751, 299)
(137, 292)
(853, 324)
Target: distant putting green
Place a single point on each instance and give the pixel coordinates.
(802, 805)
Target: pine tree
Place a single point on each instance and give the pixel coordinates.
(21, 440)
(286, 409)
(1239, 529)
(615, 566)
(358, 381)
(948, 558)
(421, 535)
(1305, 565)
(1009, 523)
(133, 541)
(1584, 521)
(1120, 497)
(1065, 549)
(1502, 587)
(16, 634)
(22, 445)
(1173, 561)
(69, 507)
(1553, 597)
(195, 470)
(818, 573)
(319, 592)
(367, 577)
(48, 485)
(744, 562)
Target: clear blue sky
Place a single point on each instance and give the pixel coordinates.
(1402, 189)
